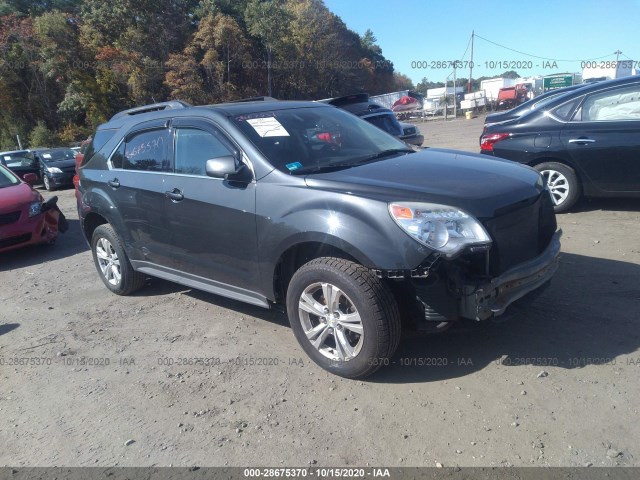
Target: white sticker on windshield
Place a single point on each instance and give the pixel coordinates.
(268, 127)
(46, 155)
(7, 157)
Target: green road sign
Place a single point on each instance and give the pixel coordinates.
(556, 81)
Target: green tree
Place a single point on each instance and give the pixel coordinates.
(267, 20)
(41, 136)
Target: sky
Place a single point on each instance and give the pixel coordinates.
(422, 37)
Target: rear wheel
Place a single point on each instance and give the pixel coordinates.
(563, 184)
(343, 316)
(112, 262)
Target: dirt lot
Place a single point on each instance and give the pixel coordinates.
(88, 378)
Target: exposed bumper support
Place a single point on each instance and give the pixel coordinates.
(492, 299)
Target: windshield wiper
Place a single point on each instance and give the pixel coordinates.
(318, 168)
(362, 161)
(383, 154)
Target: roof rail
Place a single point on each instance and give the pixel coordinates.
(255, 99)
(155, 107)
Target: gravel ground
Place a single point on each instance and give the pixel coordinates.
(172, 376)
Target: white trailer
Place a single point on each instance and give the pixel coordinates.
(440, 91)
(595, 71)
(492, 86)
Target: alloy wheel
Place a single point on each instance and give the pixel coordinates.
(331, 321)
(108, 261)
(558, 185)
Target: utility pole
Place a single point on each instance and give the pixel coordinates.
(471, 63)
(455, 98)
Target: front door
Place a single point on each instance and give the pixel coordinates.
(212, 220)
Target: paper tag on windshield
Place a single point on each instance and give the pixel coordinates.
(7, 157)
(268, 127)
(46, 155)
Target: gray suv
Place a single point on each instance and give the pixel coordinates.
(305, 207)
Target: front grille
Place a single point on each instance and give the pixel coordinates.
(410, 131)
(520, 235)
(10, 242)
(9, 218)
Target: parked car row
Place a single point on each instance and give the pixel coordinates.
(584, 140)
(54, 167)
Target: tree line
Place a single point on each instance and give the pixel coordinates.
(68, 65)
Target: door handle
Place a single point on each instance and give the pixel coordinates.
(175, 195)
(582, 141)
(115, 183)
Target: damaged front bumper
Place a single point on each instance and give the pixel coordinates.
(491, 299)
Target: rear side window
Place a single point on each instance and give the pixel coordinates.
(147, 151)
(194, 147)
(565, 111)
(618, 104)
(99, 140)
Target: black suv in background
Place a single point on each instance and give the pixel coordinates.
(383, 118)
(584, 142)
(305, 206)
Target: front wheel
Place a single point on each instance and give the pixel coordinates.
(343, 316)
(563, 184)
(47, 183)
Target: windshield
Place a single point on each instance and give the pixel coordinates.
(7, 178)
(304, 138)
(49, 156)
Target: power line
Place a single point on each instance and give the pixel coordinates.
(467, 49)
(542, 58)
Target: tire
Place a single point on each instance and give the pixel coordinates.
(351, 347)
(47, 183)
(563, 184)
(112, 262)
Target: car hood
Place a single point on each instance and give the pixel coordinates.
(483, 186)
(16, 195)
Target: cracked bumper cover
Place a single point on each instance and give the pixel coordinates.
(480, 302)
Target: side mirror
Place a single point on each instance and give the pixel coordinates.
(30, 178)
(226, 167)
(220, 167)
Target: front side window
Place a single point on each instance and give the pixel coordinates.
(618, 104)
(194, 147)
(146, 151)
(20, 159)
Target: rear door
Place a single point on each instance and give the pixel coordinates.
(212, 220)
(603, 139)
(136, 184)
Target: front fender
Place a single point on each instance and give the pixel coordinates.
(360, 227)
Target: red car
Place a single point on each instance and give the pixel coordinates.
(25, 218)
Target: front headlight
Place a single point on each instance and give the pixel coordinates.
(53, 170)
(35, 209)
(440, 227)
